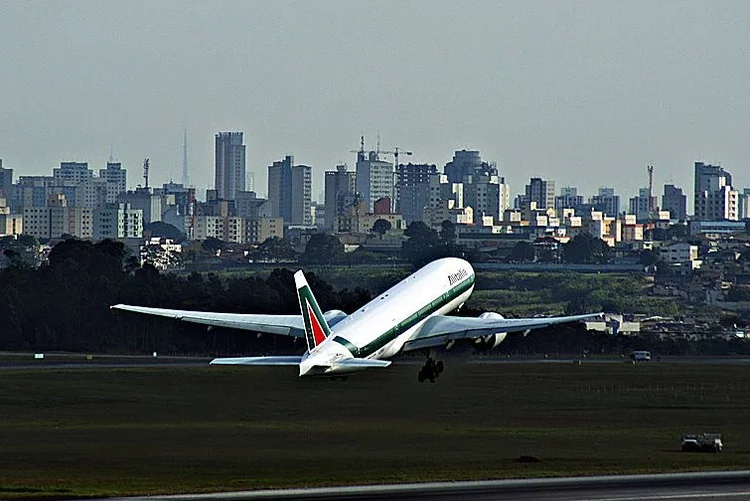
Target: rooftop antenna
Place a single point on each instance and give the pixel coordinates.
(651, 208)
(145, 171)
(185, 173)
(111, 154)
(361, 151)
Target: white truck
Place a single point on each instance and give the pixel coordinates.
(640, 356)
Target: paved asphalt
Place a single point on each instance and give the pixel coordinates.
(674, 486)
(76, 361)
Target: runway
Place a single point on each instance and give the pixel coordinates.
(674, 486)
(25, 361)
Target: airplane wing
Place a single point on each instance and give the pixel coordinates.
(439, 330)
(285, 325)
(283, 360)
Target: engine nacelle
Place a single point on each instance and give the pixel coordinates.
(334, 316)
(490, 341)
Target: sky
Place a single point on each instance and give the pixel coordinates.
(584, 93)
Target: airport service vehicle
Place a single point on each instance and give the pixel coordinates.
(409, 316)
(640, 356)
(704, 442)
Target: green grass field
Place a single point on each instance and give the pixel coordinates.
(162, 430)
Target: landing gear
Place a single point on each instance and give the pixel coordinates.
(431, 370)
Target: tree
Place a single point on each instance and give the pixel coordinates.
(212, 245)
(323, 248)
(425, 244)
(164, 230)
(586, 249)
(523, 252)
(381, 226)
(275, 249)
(448, 232)
(28, 241)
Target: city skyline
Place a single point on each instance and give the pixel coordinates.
(554, 90)
(558, 189)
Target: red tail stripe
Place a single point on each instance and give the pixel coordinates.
(319, 334)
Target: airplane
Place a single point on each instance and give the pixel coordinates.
(410, 316)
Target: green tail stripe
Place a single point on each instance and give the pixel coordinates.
(306, 297)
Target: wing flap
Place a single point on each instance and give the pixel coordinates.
(361, 362)
(440, 329)
(285, 325)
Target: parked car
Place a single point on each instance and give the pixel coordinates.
(704, 442)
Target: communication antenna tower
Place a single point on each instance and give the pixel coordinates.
(145, 171)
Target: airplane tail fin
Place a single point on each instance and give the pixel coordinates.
(316, 326)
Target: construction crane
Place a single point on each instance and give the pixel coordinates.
(396, 152)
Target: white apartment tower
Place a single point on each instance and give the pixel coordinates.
(374, 179)
(715, 199)
(116, 179)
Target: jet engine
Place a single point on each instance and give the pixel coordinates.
(489, 341)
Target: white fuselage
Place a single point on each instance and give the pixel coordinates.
(380, 328)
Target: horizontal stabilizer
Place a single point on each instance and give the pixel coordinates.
(363, 363)
(257, 361)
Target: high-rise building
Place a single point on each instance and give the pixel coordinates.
(487, 195)
(248, 205)
(715, 199)
(57, 218)
(539, 191)
(642, 205)
(77, 182)
(118, 221)
(74, 172)
(465, 164)
(290, 191)
(675, 202)
(142, 199)
(280, 188)
(606, 201)
(31, 191)
(743, 205)
(6, 183)
(301, 195)
(568, 199)
(116, 179)
(375, 178)
(413, 189)
(230, 165)
(339, 195)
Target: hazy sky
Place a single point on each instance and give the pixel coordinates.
(584, 93)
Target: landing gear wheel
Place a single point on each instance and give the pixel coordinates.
(431, 370)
